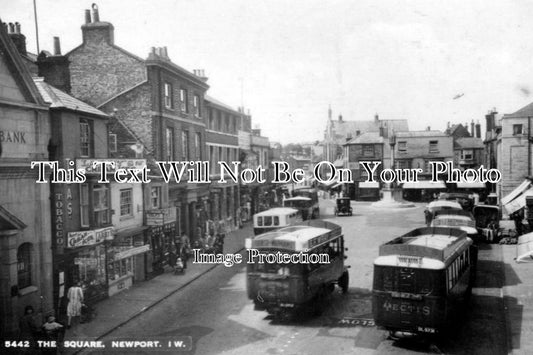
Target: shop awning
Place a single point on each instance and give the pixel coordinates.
(369, 185)
(130, 231)
(516, 192)
(517, 203)
(470, 185)
(524, 248)
(424, 185)
(329, 183)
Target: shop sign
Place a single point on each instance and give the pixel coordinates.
(62, 208)
(159, 217)
(87, 164)
(131, 252)
(91, 237)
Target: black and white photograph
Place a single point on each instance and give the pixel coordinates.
(277, 177)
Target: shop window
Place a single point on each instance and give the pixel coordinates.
(126, 202)
(24, 265)
(155, 197)
(90, 268)
(101, 205)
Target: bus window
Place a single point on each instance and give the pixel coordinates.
(268, 220)
(276, 220)
(259, 221)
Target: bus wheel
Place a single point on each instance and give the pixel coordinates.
(344, 281)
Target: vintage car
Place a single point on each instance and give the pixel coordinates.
(343, 207)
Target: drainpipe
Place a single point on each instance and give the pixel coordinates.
(529, 145)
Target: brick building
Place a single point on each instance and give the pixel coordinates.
(514, 158)
(368, 146)
(222, 145)
(161, 105)
(25, 230)
(415, 150)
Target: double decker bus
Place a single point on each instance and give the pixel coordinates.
(295, 267)
(422, 280)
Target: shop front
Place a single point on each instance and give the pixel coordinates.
(85, 262)
(127, 259)
(163, 232)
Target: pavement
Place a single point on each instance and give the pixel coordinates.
(518, 302)
(117, 310)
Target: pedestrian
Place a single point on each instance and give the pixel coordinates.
(172, 257)
(75, 301)
(184, 248)
(29, 327)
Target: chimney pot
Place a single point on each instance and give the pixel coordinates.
(96, 15)
(57, 46)
(5, 27)
(87, 16)
(17, 28)
(11, 28)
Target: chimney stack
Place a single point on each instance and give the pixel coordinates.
(472, 128)
(17, 37)
(376, 118)
(96, 31)
(87, 16)
(340, 118)
(55, 68)
(57, 46)
(428, 128)
(96, 15)
(478, 130)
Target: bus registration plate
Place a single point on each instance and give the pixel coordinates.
(426, 330)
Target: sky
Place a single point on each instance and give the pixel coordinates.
(430, 62)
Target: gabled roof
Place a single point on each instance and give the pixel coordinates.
(18, 68)
(59, 99)
(412, 134)
(367, 138)
(469, 142)
(219, 103)
(525, 111)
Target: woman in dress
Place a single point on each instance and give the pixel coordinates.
(75, 300)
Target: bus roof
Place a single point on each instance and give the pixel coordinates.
(436, 243)
(302, 237)
(277, 211)
(443, 203)
(298, 198)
